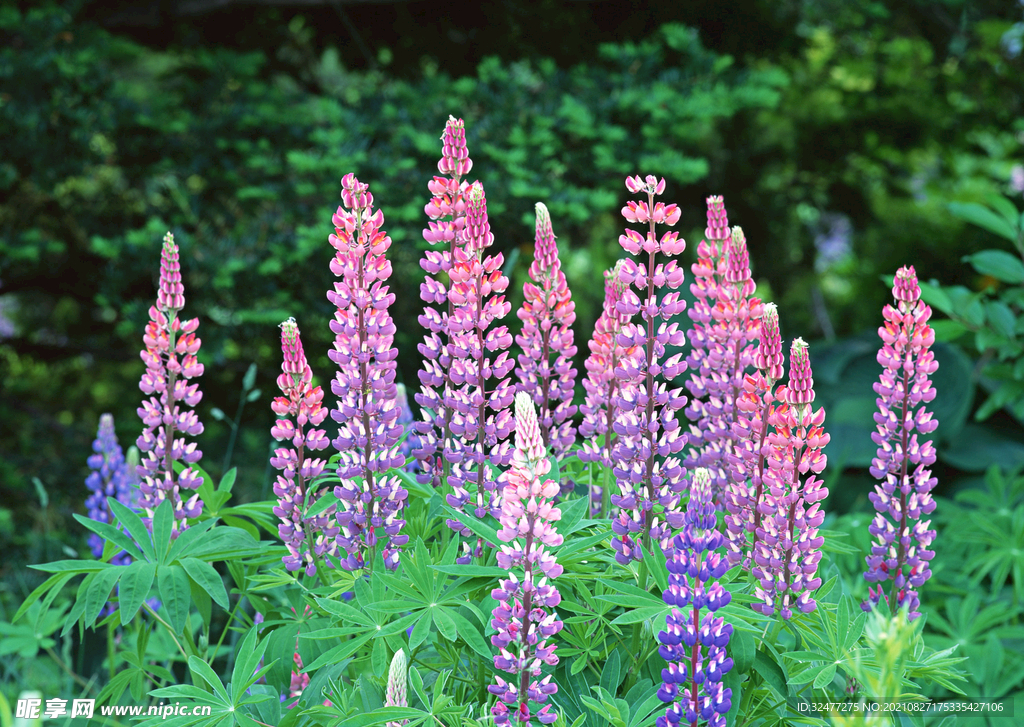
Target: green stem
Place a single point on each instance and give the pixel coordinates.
(167, 626)
(223, 633)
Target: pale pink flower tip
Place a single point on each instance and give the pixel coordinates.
(905, 287)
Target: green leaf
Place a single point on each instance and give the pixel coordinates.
(825, 676)
(639, 615)
(742, 648)
(463, 571)
(983, 217)
(772, 674)
(469, 633)
(1001, 318)
(188, 540)
(998, 264)
(416, 683)
(175, 597)
(99, 593)
(978, 447)
(53, 584)
(1005, 207)
(610, 674)
(244, 673)
(207, 577)
(445, 623)
(107, 531)
(163, 520)
(203, 671)
(379, 657)
(228, 480)
(578, 665)
(478, 527)
(572, 513)
(420, 631)
(323, 503)
(135, 586)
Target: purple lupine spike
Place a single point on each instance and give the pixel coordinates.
(108, 478)
(447, 211)
(601, 383)
(788, 545)
(546, 371)
(649, 437)
(307, 539)
(694, 640)
(170, 358)
(408, 422)
(479, 438)
(746, 487)
(367, 410)
(900, 552)
(523, 626)
(725, 323)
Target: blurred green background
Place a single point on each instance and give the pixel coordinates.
(838, 131)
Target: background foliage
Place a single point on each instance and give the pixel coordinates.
(848, 138)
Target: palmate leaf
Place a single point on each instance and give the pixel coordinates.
(135, 586)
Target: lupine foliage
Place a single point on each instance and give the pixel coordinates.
(707, 647)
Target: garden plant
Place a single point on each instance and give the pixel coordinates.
(641, 542)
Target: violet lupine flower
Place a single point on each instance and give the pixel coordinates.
(447, 211)
(108, 478)
(649, 437)
(527, 521)
(478, 437)
(170, 358)
(725, 325)
(367, 412)
(546, 371)
(900, 552)
(307, 539)
(601, 384)
(695, 565)
(745, 491)
(408, 422)
(788, 545)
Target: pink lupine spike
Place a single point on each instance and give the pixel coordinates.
(546, 371)
(307, 539)
(447, 212)
(725, 323)
(788, 546)
(649, 438)
(903, 497)
(755, 406)
(171, 361)
(522, 625)
(600, 409)
(480, 419)
(367, 411)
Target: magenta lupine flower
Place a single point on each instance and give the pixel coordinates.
(754, 407)
(900, 552)
(306, 538)
(108, 478)
(601, 384)
(447, 211)
(694, 640)
(788, 545)
(523, 626)
(725, 324)
(170, 358)
(480, 366)
(546, 371)
(649, 437)
(367, 411)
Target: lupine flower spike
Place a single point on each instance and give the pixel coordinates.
(900, 552)
(481, 420)
(649, 438)
(601, 384)
(725, 323)
(108, 478)
(367, 411)
(788, 545)
(307, 539)
(546, 371)
(396, 690)
(406, 419)
(746, 488)
(170, 358)
(447, 211)
(523, 627)
(694, 640)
